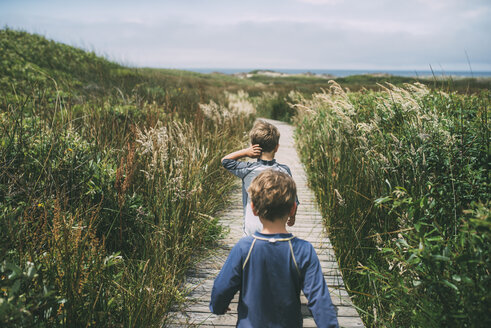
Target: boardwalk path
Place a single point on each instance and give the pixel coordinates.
(308, 226)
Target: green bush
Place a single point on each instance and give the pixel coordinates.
(431, 279)
(98, 227)
(23, 303)
(274, 106)
(428, 152)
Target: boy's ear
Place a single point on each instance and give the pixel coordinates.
(293, 210)
(276, 148)
(253, 209)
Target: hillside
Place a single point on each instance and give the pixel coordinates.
(30, 61)
(109, 177)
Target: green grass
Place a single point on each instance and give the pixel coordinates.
(309, 84)
(109, 177)
(401, 177)
(272, 95)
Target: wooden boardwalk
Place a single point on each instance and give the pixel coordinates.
(308, 226)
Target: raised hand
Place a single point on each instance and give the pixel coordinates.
(254, 151)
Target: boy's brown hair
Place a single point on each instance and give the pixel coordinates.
(266, 135)
(273, 194)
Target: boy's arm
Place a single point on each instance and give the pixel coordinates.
(317, 293)
(240, 169)
(254, 151)
(227, 283)
(291, 220)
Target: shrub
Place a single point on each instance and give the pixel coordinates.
(109, 177)
(425, 150)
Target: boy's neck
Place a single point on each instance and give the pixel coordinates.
(267, 156)
(273, 227)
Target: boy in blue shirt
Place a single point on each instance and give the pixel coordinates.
(270, 267)
(264, 145)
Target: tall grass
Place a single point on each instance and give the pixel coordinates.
(401, 176)
(109, 178)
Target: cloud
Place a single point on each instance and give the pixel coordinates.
(321, 2)
(272, 34)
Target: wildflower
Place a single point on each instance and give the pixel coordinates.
(379, 239)
(238, 105)
(40, 205)
(339, 199)
(423, 136)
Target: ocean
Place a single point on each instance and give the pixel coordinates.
(347, 72)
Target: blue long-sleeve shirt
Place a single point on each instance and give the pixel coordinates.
(269, 275)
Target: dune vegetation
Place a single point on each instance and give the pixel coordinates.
(402, 179)
(110, 178)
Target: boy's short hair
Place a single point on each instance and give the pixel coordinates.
(266, 135)
(273, 194)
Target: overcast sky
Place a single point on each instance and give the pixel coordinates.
(304, 34)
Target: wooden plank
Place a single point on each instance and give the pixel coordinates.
(201, 319)
(343, 311)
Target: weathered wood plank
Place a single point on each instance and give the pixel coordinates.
(343, 311)
(202, 319)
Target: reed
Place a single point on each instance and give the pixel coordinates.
(400, 175)
(109, 179)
